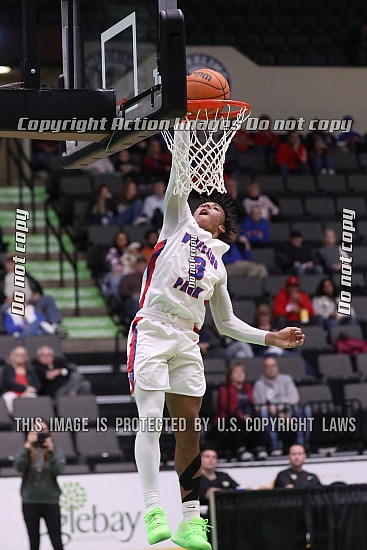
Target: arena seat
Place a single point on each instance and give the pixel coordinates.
(97, 446)
(78, 406)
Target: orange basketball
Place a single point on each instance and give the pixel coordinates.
(207, 84)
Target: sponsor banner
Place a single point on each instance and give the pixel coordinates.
(107, 511)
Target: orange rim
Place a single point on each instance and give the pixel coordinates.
(198, 108)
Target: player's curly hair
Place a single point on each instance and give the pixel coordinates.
(230, 218)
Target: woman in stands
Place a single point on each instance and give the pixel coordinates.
(102, 211)
(19, 378)
(235, 405)
(325, 304)
(40, 463)
(129, 205)
(120, 259)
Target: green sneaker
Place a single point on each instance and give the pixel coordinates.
(192, 535)
(157, 526)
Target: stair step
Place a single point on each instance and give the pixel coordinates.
(74, 346)
(89, 327)
(11, 194)
(7, 220)
(36, 244)
(83, 310)
(67, 293)
(68, 283)
(50, 270)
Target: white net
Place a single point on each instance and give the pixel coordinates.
(199, 163)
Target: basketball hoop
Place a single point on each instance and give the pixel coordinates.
(199, 149)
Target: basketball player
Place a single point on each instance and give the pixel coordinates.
(164, 361)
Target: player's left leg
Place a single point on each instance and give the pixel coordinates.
(191, 533)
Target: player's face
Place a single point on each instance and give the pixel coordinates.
(210, 216)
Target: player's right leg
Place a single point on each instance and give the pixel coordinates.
(150, 404)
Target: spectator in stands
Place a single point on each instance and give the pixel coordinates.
(212, 479)
(320, 145)
(129, 205)
(124, 162)
(156, 162)
(56, 377)
(238, 259)
(102, 211)
(266, 141)
(33, 294)
(292, 306)
(235, 405)
(120, 259)
(291, 156)
(214, 345)
(296, 258)
(264, 316)
(295, 477)
(256, 229)
(100, 167)
(19, 378)
(42, 151)
(330, 252)
(277, 397)
(29, 323)
(325, 305)
(243, 141)
(359, 46)
(211, 344)
(3, 244)
(150, 240)
(130, 287)
(231, 184)
(153, 205)
(40, 462)
(264, 319)
(9, 286)
(254, 198)
(349, 140)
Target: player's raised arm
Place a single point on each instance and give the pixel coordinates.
(229, 325)
(176, 208)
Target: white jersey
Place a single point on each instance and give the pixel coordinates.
(183, 272)
(186, 270)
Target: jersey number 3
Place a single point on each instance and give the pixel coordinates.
(200, 264)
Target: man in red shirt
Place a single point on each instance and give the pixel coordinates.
(291, 156)
(291, 305)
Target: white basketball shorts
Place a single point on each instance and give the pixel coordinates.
(163, 354)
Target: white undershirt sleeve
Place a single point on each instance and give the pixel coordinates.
(228, 324)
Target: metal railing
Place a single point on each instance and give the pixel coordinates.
(59, 231)
(17, 161)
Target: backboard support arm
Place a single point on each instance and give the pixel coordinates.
(30, 70)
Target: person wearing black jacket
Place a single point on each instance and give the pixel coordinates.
(296, 258)
(40, 463)
(212, 479)
(56, 378)
(295, 477)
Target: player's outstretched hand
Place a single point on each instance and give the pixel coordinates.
(289, 337)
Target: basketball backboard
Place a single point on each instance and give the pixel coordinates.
(134, 48)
